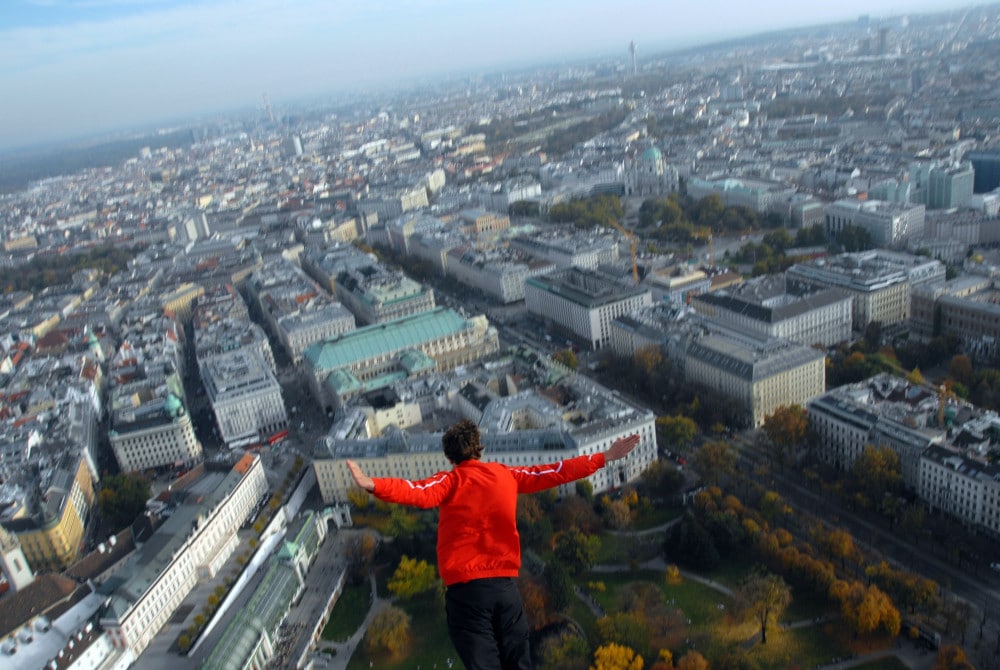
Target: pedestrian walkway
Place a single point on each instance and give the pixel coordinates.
(346, 649)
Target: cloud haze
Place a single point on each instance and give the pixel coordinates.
(69, 67)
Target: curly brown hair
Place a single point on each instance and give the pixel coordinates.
(461, 442)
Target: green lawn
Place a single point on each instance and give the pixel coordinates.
(429, 640)
(800, 647)
(348, 612)
(657, 516)
(623, 549)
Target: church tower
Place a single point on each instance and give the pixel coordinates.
(12, 562)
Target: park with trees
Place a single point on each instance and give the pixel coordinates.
(636, 579)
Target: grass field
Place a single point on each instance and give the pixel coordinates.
(349, 612)
(429, 644)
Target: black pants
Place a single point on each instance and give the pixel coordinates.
(487, 625)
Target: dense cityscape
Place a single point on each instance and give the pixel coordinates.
(774, 259)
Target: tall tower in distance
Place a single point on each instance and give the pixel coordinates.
(12, 562)
(267, 109)
(631, 51)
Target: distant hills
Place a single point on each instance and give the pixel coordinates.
(19, 168)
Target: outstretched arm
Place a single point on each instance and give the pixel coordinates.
(360, 478)
(621, 447)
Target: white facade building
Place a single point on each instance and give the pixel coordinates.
(245, 397)
(582, 303)
(190, 546)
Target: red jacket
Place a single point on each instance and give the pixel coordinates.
(477, 530)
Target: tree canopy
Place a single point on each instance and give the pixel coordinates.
(412, 577)
(764, 597)
(122, 498)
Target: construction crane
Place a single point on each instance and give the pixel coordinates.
(630, 236)
(706, 234)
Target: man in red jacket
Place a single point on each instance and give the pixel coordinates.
(478, 547)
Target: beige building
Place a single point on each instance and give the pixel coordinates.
(50, 527)
(179, 302)
(879, 283)
(758, 377)
(150, 432)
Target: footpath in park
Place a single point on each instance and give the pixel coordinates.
(908, 653)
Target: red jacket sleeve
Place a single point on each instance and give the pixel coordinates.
(423, 493)
(532, 479)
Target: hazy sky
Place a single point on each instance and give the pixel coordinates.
(74, 67)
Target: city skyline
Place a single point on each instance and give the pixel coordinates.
(72, 68)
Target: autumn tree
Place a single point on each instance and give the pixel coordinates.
(648, 360)
(574, 512)
(576, 550)
(692, 660)
(358, 497)
(764, 597)
(533, 523)
(662, 479)
(566, 357)
(715, 461)
(960, 369)
(389, 631)
(865, 609)
(412, 577)
(616, 513)
(952, 657)
(838, 544)
(360, 552)
(535, 598)
(675, 432)
(616, 657)
(628, 629)
(786, 429)
(565, 651)
(876, 472)
(402, 522)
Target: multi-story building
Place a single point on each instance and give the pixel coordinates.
(760, 195)
(245, 397)
(178, 303)
(375, 356)
(191, 545)
(150, 428)
(764, 308)
(371, 291)
(986, 167)
(677, 284)
(759, 377)
(525, 428)
(878, 281)
(49, 516)
(482, 225)
(500, 273)
(966, 488)
(586, 251)
(941, 185)
(582, 303)
(298, 312)
(880, 411)
(971, 293)
(889, 224)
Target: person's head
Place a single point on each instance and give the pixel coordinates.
(461, 442)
